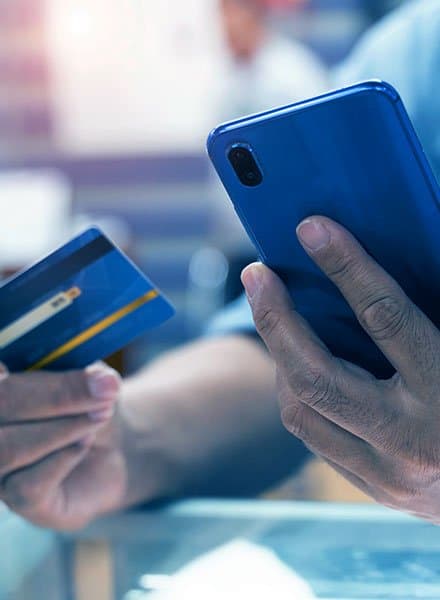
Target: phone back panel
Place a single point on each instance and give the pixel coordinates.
(351, 155)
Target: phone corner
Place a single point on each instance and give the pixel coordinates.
(213, 138)
(383, 87)
(210, 140)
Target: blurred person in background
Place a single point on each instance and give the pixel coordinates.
(265, 69)
(203, 420)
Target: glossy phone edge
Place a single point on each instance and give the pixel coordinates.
(364, 86)
(419, 152)
(376, 85)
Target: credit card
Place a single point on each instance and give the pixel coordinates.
(79, 305)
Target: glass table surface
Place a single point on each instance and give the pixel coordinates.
(345, 552)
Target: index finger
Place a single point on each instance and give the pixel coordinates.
(403, 333)
(41, 395)
(347, 396)
(289, 338)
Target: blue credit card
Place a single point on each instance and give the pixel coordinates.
(79, 305)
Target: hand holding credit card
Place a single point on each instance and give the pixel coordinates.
(79, 305)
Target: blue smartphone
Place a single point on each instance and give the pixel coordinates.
(351, 155)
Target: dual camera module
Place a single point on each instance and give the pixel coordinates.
(242, 159)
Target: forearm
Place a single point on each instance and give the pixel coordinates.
(205, 420)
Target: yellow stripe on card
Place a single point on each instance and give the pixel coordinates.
(93, 331)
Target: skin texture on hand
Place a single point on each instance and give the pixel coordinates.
(381, 435)
(202, 420)
(58, 462)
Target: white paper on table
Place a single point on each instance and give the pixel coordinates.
(238, 570)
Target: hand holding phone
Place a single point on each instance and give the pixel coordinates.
(351, 155)
(381, 435)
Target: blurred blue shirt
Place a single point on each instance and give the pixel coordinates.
(403, 49)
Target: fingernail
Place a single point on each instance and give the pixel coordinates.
(101, 416)
(313, 234)
(103, 384)
(251, 279)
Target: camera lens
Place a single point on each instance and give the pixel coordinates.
(245, 166)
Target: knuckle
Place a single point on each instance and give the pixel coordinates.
(317, 389)
(292, 418)
(342, 266)
(286, 393)
(267, 320)
(389, 433)
(385, 317)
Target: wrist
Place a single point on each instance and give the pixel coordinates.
(151, 470)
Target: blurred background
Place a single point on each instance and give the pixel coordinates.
(104, 111)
